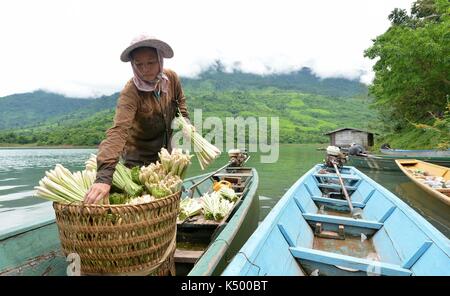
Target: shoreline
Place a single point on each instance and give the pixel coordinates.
(31, 146)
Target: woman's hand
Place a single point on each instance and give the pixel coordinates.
(97, 192)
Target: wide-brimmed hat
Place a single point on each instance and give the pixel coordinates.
(147, 41)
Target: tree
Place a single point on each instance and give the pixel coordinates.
(441, 126)
(412, 76)
(399, 17)
(425, 9)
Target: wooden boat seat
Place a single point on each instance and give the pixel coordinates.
(335, 176)
(306, 192)
(338, 220)
(376, 206)
(306, 202)
(187, 256)
(360, 192)
(374, 214)
(234, 174)
(351, 262)
(336, 186)
(337, 202)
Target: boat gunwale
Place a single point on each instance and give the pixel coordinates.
(416, 153)
(414, 150)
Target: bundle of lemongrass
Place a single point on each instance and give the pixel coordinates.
(62, 186)
(205, 151)
(122, 177)
(91, 163)
(167, 186)
(175, 163)
(189, 207)
(158, 182)
(215, 207)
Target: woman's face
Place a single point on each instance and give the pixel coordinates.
(146, 61)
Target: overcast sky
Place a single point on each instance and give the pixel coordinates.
(73, 47)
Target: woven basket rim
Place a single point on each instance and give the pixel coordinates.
(116, 206)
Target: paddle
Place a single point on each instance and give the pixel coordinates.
(355, 214)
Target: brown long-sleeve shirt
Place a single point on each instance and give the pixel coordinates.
(142, 126)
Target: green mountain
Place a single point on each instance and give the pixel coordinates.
(302, 80)
(306, 106)
(40, 107)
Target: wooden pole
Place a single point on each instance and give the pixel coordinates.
(343, 187)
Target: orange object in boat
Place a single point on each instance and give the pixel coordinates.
(218, 185)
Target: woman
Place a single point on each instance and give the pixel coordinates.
(145, 109)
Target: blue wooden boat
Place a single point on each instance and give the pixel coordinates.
(311, 232)
(400, 153)
(387, 162)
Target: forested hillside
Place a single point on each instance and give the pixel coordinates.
(306, 106)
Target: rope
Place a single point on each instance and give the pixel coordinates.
(248, 260)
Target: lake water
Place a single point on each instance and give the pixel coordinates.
(21, 170)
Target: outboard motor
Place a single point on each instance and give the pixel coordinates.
(237, 157)
(334, 155)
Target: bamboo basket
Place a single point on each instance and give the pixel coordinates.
(121, 239)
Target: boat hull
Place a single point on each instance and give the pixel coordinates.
(387, 163)
(406, 164)
(416, 153)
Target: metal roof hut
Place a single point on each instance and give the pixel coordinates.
(343, 137)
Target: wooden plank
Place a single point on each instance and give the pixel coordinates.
(233, 175)
(286, 236)
(411, 261)
(366, 200)
(344, 176)
(349, 262)
(434, 262)
(387, 214)
(336, 186)
(337, 202)
(299, 205)
(187, 256)
(343, 220)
